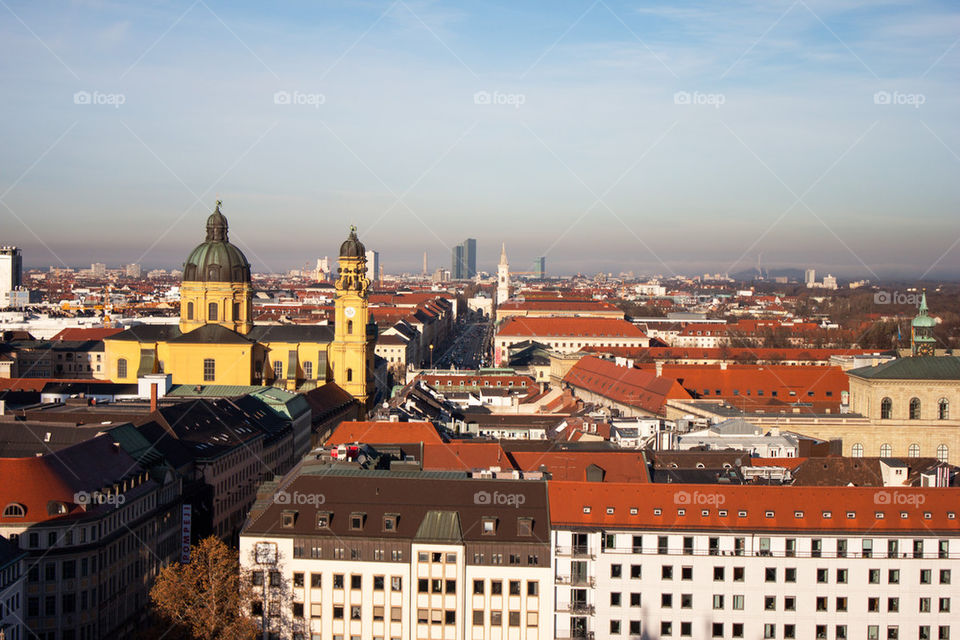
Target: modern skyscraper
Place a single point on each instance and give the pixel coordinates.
(11, 273)
(463, 264)
(98, 269)
(540, 268)
(373, 264)
(809, 277)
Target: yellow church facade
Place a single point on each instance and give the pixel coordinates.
(216, 341)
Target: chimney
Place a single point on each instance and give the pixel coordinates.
(659, 366)
(153, 397)
(723, 365)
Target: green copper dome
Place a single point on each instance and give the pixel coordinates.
(216, 260)
(923, 319)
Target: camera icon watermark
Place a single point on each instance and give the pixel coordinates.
(99, 99)
(297, 498)
(515, 500)
(515, 100)
(715, 100)
(898, 499)
(896, 98)
(699, 498)
(897, 297)
(85, 498)
(298, 98)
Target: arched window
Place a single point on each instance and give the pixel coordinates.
(349, 375)
(886, 409)
(943, 409)
(14, 510)
(914, 408)
(943, 452)
(913, 451)
(886, 450)
(212, 312)
(189, 311)
(121, 367)
(857, 451)
(349, 326)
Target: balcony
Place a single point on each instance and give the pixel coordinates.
(576, 551)
(576, 581)
(576, 635)
(578, 608)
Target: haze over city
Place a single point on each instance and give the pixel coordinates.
(606, 136)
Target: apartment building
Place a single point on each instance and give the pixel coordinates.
(386, 555)
(11, 590)
(715, 561)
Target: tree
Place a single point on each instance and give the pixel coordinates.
(204, 600)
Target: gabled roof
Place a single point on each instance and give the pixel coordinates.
(210, 334)
(912, 368)
(384, 433)
(148, 333)
(569, 327)
(86, 333)
(617, 466)
(633, 387)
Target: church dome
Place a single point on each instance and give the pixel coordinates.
(216, 260)
(352, 247)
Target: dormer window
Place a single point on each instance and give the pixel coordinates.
(56, 508)
(525, 527)
(356, 521)
(323, 519)
(489, 526)
(390, 522)
(14, 510)
(288, 519)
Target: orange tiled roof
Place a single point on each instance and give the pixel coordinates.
(84, 333)
(464, 456)
(618, 466)
(570, 327)
(752, 507)
(629, 386)
(808, 383)
(384, 433)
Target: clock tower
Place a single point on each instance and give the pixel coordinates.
(352, 349)
(922, 340)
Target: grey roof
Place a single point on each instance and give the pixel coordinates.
(292, 333)
(211, 334)
(912, 368)
(148, 333)
(735, 426)
(440, 526)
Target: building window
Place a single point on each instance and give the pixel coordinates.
(886, 409)
(886, 450)
(943, 453)
(914, 408)
(212, 312)
(349, 375)
(350, 326)
(236, 311)
(278, 369)
(943, 409)
(308, 370)
(913, 451)
(209, 370)
(857, 450)
(189, 311)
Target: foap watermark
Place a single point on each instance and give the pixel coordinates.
(514, 100)
(715, 100)
(86, 498)
(897, 297)
(299, 98)
(899, 499)
(896, 98)
(299, 498)
(99, 98)
(699, 498)
(498, 499)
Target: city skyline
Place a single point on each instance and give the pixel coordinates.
(606, 137)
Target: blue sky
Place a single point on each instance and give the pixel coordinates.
(653, 137)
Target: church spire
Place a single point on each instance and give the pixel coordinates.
(217, 225)
(503, 253)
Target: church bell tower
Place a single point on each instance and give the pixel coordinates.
(352, 349)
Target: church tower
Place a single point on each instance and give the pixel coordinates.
(216, 285)
(922, 341)
(503, 277)
(352, 349)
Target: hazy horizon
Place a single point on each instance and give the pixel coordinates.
(608, 136)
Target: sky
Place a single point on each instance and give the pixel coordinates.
(661, 138)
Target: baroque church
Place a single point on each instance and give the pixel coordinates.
(217, 343)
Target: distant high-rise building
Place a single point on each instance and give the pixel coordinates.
(11, 273)
(424, 272)
(323, 269)
(809, 276)
(829, 282)
(132, 270)
(98, 269)
(373, 265)
(463, 265)
(540, 268)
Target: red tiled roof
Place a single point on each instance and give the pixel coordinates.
(558, 304)
(739, 380)
(633, 387)
(728, 353)
(83, 333)
(788, 463)
(384, 433)
(752, 508)
(464, 456)
(618, 466)
(577, 327)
